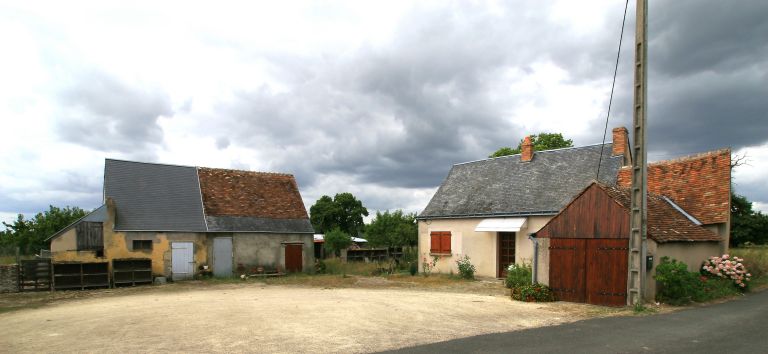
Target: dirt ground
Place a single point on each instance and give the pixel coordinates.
(355, 315)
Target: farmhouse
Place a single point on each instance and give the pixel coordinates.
(181, 219)
(488, 209)
(582, 252)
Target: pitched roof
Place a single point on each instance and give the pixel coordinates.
(96, 215)
(700, 184)
(154, 197)
(665, 222)
(235, 199)
(157, 197)
(508, 186)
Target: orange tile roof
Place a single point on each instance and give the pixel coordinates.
(700, 184)
(250, 194)
(665, 223)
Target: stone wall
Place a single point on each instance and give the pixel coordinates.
(9, 278)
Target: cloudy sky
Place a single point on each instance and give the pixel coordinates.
(374, 98)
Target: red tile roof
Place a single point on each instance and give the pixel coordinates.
(250, 194)
(665, 223)
(700, 184)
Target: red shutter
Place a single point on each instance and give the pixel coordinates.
(445, 242)
(434, 242)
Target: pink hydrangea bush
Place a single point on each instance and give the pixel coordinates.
(727, 267)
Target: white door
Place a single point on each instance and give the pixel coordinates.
(182, 260)
(222, 257)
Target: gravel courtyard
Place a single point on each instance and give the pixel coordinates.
(255, 317)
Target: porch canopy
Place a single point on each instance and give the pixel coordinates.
(501, 224)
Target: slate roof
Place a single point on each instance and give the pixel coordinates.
(96, 215)
(157, 197)
(508, 186)
(154, 197)
(700, 184)
(665, 222)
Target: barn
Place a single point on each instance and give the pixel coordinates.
(583, 251)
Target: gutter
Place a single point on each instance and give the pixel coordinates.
(535, 266)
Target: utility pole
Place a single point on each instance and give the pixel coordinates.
(639, 196)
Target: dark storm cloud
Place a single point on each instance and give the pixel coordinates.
(707, 80)
(103, 113)
(403, 114)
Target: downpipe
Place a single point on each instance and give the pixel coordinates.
(535, 265)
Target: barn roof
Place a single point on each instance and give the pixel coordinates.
(158, 197)
(508, 186)
(666, 223)
(700, 183)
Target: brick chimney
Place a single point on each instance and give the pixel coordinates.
(621, 144)
(526, 153)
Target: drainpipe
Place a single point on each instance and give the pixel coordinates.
(535, 267)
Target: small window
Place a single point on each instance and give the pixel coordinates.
(142, 245)
(440, 242)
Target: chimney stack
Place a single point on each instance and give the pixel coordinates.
(621, 144)
(526, 154)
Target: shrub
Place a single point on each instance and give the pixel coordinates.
(466, 268)
(320, 266)
(676, 285)
(427, 266)
(714, 288)
(413, 268)
(727, 267)
(533, 293)
(518, 275)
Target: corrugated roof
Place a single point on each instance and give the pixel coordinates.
(154, 197)
(508, 186)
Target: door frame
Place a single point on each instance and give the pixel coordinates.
(192, 263)
(231, 250)
(499, 272)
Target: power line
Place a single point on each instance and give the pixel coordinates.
(613, 85)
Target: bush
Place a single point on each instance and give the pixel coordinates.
(533, 293)
(676, 285)
(518, 275)
(413, 268)
(466, 268)
(320, 266)
(755, 259)
(727, 267)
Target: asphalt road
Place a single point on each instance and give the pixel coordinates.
(738, 326)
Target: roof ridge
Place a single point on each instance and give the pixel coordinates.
(537, 152)
(689, 157)
(249, 171)
(201, 167)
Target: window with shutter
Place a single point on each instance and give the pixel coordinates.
(440, 242)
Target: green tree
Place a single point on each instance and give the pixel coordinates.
(541, 141)
(394, 229)
(30, 235)
(336, 240)
(344, 211)
(747, 225)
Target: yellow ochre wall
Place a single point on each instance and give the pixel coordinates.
(481, 247)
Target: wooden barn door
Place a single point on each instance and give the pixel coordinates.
(607, 271)
(293, 257)
(567, 268)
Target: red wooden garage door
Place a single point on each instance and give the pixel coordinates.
(293, 256)
(589, 270)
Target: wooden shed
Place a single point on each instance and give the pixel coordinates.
(588, 244)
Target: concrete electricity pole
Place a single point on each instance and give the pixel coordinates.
(638, 231)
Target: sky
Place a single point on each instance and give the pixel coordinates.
(378, 99)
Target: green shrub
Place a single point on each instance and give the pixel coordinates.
(466, 268)
(533, 293)
(676, 285)
(518, 275)
(755, 259)
(413, 268)
(320, 266)
(715, 288)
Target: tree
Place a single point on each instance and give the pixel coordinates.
(336, 240)
(747, 225)
(392, 230)
(344, 211)
(30, 235)
(541, 141)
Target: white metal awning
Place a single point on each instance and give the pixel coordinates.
(501, 224)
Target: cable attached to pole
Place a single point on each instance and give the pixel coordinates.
(613, 85)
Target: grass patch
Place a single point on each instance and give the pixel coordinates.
(756, 262)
